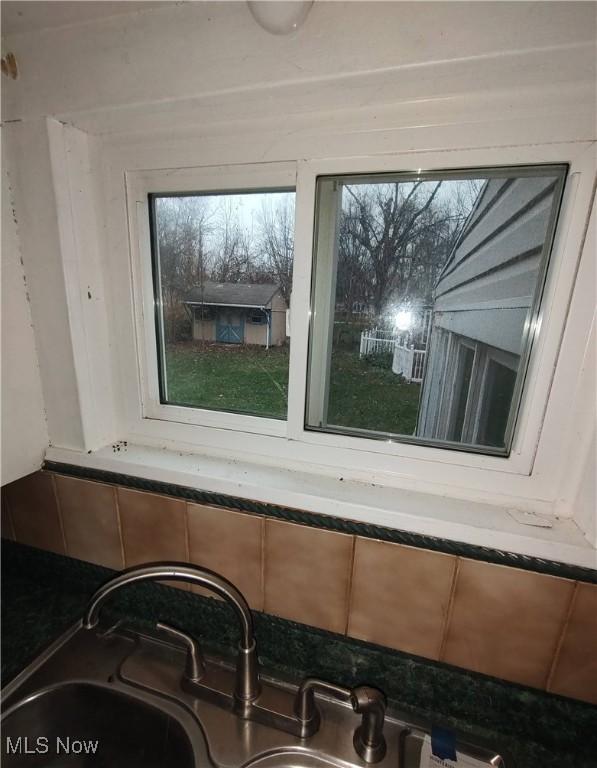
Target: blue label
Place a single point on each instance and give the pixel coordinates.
(443, 743)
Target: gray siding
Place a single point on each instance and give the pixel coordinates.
(494, 268)
(484, 296)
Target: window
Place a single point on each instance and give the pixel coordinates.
(461, 390)
(425, 301)
(222, 279)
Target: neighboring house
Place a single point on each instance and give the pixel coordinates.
(483, 301)
(238, 313)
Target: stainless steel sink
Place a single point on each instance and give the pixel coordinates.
(85, 724)
(105, 696)
(125, 690)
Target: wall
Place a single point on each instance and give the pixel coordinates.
(527, 627)
(204, 330)
(24, 429)
(222, 90)
(278, 320)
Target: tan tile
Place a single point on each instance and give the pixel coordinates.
(400, 596)
(575, 671)
(90, 521)
(307, 574)
(6, 526)
(153, 527)
(506, 622)
(34, 512)
(229, 543)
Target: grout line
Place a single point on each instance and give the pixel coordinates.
(448, 618)
(561, 636)
(262, 562)
(187, 540)
(187, 546)
(263, 556)
(59, 511)
(119, 524)
(349, 585)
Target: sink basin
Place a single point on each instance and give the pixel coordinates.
(64, 722)
(122, 690)
(290, 758)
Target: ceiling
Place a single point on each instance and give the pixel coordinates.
(29, 15)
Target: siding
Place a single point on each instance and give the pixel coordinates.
(204, 330)
(278, 320)
(490, 278)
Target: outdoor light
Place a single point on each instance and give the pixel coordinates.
(280, 16)
(403, 320)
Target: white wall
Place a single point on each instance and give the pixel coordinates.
(201, 83)
(24, 430)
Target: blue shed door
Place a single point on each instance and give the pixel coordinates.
(230, 328)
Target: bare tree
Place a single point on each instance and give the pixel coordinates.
(231, 247)
(182, 227)
(395, 238)
(276, 244)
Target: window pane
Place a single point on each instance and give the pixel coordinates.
(222, 283)
(500, 386)
(419, 281)
(462, 390)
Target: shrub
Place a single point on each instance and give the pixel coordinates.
(177, 323)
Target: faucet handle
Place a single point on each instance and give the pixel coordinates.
(305, 709)
(195, 666)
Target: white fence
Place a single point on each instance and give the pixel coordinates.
(406, 361)
(375, 341)
(410, 363)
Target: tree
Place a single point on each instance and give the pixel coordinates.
(276, 244)
(394, 239)
(231, 247)
(182, 227)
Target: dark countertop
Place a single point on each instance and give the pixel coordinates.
(43, 594)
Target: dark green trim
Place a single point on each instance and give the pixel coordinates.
(366, 530)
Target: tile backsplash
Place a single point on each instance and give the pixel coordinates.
(525, 627)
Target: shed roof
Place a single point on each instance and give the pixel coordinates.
(233, 294)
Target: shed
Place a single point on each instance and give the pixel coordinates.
(238, 313)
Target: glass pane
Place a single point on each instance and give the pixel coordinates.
(418, 279)
(222, 281)
(500, 386)
(462, 389)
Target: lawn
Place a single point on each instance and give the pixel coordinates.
(229, 377)
(364, 394)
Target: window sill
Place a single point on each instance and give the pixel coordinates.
(475, 523)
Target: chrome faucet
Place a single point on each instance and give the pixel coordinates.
(247, 687)
(298, 714)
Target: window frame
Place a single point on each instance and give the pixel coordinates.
(288, 444)
(142, 190)
(336, 182)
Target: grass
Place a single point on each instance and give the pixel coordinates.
(229, 377)
(364, 394)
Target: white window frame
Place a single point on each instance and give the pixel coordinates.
(234, 178)
(289, 444)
